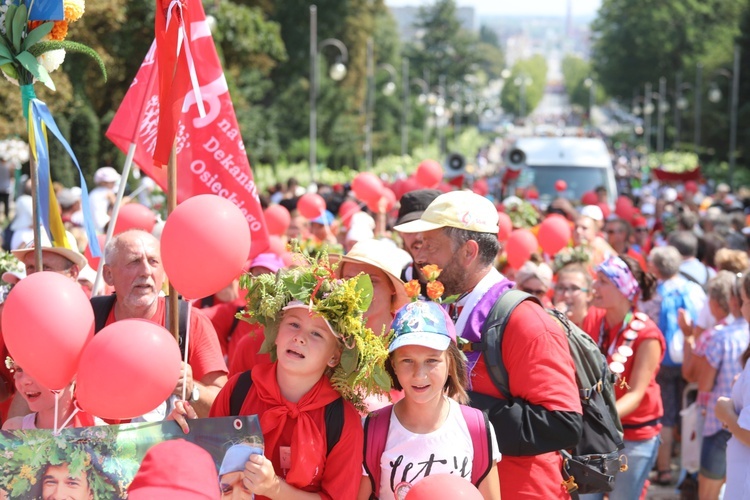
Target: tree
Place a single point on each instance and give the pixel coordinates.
(575, 71)
(531, 75)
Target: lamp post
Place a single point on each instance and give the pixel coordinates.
(337, 73)
(714, 95)
(680, 105)
(389, 88)
(698, 105)
(405, 106)
(589, 84)
(423, 98)
(661, 110)
(522, 82)
(648, 109)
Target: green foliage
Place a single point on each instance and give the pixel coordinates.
(673, 161)
(60, 163)
(535, 69)
(85, 137)
(575, 71)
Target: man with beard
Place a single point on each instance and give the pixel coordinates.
(459, 232)
(133, 267)
(412, 205)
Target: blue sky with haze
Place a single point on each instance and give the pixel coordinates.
(514, 7)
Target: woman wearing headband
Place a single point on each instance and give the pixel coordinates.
(634, 347)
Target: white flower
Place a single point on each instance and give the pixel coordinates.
(52, 60)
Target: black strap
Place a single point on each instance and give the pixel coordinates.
(103, 304)
(642, 424)
(492, 336)
(334, 412)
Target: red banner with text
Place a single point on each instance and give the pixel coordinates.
(211, 157)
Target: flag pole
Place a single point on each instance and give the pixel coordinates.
(115, 212)
(174, 313)
(34, 174)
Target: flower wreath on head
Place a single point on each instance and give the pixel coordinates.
(341, 303)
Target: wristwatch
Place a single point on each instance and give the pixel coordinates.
(196, 393)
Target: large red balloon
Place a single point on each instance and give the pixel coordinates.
(127, 370)
(94, 261)
(519, 247)
(554, 234)
(367, 187)
(387, 200)
(438, 486)
(505, 225)
(134, 216)
(429, 174)
(277, 219)
(589, 198)
(47, 320)
(204, 245)
(311, 206)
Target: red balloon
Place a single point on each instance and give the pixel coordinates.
(47, 320)
(589, 198)
(204, 245)
(276, 244)
(311, 206)
(443, 486)
(519, 247)
(134, 216)
(554, 234)
(691, 187)
(560, 185)
(429, 174)
(277, 219)
(367, 187)
(480, 187)
(346, 210)
(388, 198)
(94, 261)
(410, 184)
(532, 193)
(606, 212)
(505, 225)
(128, 369)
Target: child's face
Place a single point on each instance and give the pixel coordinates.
(421, 371)
(305, 345)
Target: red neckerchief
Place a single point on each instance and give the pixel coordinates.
(308, 442)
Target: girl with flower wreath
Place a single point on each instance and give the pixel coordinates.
(634, 347)
(429, 425)
(322, 352)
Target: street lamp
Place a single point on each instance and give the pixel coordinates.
(589, 84)
(388, 89)
(337, 73)
(422, 99)
(522, 82)
(714, 95)
(680, 105)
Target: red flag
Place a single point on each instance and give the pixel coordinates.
(211, 156)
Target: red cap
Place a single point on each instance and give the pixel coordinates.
(176, 469)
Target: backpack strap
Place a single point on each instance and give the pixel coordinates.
(376, 434)
(102, 305)
(334, 412)
(241, 388)
(492, 336)
(479, 430)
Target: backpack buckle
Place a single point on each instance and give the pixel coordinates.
(570, 484)
(470, 346)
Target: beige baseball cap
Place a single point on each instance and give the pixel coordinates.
(72, 254)
(460, 209)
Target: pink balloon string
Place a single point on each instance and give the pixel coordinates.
(55, 431)
(76, 409)
(187, 344)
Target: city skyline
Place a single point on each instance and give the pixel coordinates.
(505, 7)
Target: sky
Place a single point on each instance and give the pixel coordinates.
(515, 7)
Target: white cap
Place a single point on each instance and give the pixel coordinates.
(592, 212)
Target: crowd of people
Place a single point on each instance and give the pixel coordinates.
(370, 314)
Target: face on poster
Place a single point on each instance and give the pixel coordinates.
(94, 463)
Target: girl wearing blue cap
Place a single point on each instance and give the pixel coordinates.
(427, 432)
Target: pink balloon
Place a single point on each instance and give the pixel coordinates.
(47, 320)
(429, 173)
(346, 210)
(367, 187)
(605, 209)
(443, 486)
(311, 206)
(277, 219)
(519, 247)
(560, 185)
(480, 187)
(128, 369)
(554, 234)
(410, 184)
(505, 224)
(204, 245)
(276, 245)
(94, 261)
(389, 199)
(134, 216)
(589, 198)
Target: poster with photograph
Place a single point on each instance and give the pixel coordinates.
(102, 461)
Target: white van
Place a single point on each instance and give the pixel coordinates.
(583, 163)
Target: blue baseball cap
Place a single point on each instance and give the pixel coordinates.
(326, 219)
(422, 323)
(236, 457)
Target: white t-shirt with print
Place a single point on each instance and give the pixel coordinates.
(409, 457)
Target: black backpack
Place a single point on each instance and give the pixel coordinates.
(334, 412)
(591, 466)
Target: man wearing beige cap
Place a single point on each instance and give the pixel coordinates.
(543, 414)
(61, 260)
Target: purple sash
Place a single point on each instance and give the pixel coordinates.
(473, 328)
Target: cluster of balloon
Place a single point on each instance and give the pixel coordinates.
(204, 245)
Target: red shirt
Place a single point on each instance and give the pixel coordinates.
(540, 371)
(341, 471)
(246, 356)
(650, 407)
(204, 353)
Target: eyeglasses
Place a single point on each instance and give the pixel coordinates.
(641, 230)
(538, 293)
(570, 289)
